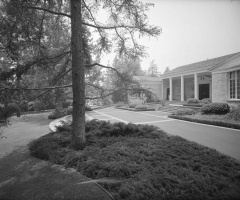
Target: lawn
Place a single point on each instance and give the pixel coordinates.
(142, 162)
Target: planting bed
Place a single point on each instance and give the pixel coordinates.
(143, 162)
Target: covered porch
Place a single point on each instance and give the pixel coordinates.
(185, 86)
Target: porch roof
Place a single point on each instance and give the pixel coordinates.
(202, 65)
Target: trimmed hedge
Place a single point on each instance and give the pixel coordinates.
(141, 107)
(193, 101)
(215, 108)
(206, 101)
(193, 105)
(119, 104)
(184, 111)
(132, 105)
(212, 122)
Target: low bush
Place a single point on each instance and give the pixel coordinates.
(57, 114)
(141, 107)
(132, 105)
(186, 111)
(234, 114)
(215, 108)
(206, 101)
(119, 104)
(160, 101)
(192, 101)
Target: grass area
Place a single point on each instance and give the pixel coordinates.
(142, 162)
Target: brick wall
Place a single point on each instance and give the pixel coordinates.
(219, 87)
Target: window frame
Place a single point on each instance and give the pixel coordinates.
(236, 80)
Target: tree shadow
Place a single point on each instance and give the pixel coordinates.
(25, 177)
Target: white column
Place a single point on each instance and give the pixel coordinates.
(170, 85)
(182, 88)
(196, 86)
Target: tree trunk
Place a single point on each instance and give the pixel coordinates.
(78, 85)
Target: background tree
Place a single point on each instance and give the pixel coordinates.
(24, 36)
(166, 70)
(128, 68)
(153, 69)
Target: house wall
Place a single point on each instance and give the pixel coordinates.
(156, 88)
(188, 88)
(177, 89)
(219, 87)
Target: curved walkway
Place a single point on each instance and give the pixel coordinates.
(24, 177)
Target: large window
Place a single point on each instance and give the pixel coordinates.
(234, 85)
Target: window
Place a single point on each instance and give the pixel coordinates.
(234, 85)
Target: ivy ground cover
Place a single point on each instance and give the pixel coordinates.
(142, 162)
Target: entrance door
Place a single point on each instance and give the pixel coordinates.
(203, 91)
(168, 93)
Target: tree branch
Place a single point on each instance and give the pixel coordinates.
(50, 11)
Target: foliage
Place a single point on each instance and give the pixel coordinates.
(166, 70)
(160, 101)
(119, 104)
(128, 68)
(142, 162)
(52, 36)
(63, 112)
(192, 101)
(184, 111)
(141, 107)
(234, 114)
(216, 120)
(57, 114)
(206, 101)
(132, 105)
(215, 108)
(153, 69)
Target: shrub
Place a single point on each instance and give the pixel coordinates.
(119, 104)
(234, 114)
(88, 108)
(160, 101)
(206, 101)
(187, 111)
(193, 101)
(141, 107)
(57, 114)
(132, 105)
(215, 108)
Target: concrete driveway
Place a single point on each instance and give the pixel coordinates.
(224, 140)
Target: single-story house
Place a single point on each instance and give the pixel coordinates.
(217, 78)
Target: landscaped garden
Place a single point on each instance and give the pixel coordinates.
(143, 162)
(219, 114)
(140, 107)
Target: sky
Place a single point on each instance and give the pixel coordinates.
(192, 31)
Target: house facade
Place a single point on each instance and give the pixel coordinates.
(217, 78)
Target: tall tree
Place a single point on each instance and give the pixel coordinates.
(153, 69)
(126, 20)
(166, 70)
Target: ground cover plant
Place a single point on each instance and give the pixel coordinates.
(218, 115)
(142, 162)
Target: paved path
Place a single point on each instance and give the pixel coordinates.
(225, 140)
